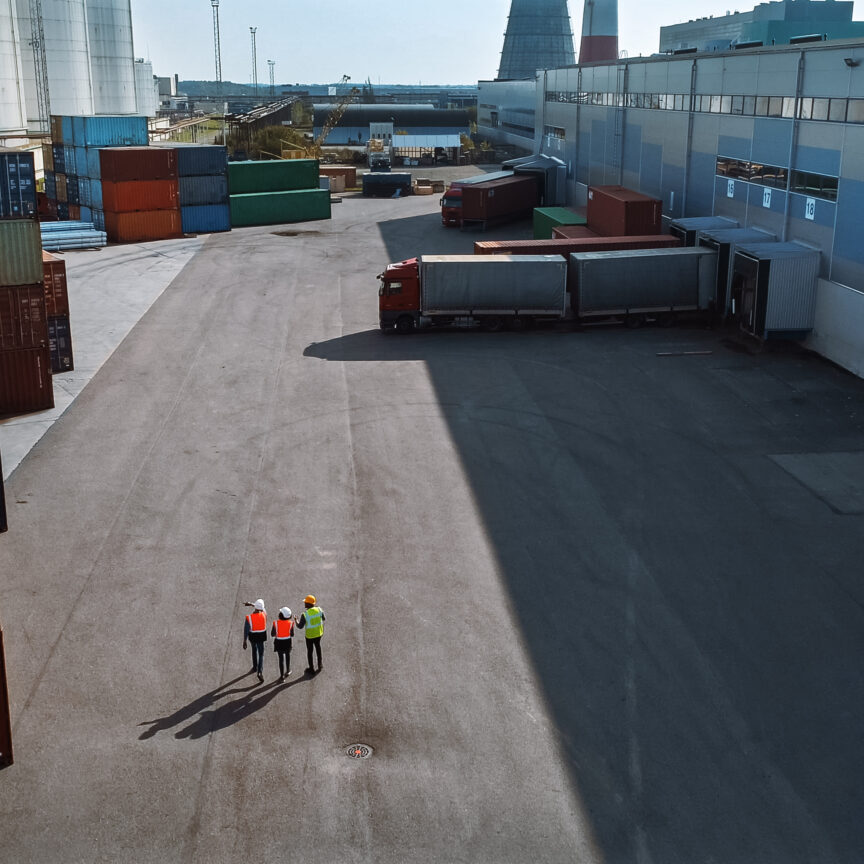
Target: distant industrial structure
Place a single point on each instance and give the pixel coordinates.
(89, 64)
(775, 23)
(539, 36)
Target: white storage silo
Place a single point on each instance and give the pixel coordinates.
(146, 89)
(12, 112)
(112, 62)
(65, 27)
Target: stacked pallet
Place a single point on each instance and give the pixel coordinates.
(25, 365)
(274, 192)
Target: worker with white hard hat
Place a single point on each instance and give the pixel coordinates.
(282, 631)
(312, 620)
(255, 631)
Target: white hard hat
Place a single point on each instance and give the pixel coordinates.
(259, 605)
(285, 612)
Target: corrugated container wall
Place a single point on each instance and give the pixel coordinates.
(207, 189)
(139, 195)
(60, 344)
(25, 380)
(22, 317)
(615, 210)
(548, 218)
(271, 208)
(21, 261)
(142, 226)
(110, 131)
(511, 196)
(118, 164)
(112, 62)
(282, 175)
(197, 160)
(205, 218)
(17, 185)
(56, 287)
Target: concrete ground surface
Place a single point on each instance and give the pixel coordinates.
(586, 601)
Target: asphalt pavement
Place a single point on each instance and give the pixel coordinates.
(591, 595)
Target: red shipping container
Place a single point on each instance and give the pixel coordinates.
(572, 232)
(25, 381)
(141, 226)
(566, 246)
(140, 195)
(119, 164)
(50, 214)
(23, 322)
(499, 200)
(56, 291)
(615, 211)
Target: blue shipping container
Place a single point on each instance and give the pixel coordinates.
(107, 131)
(84, 194)
(205, 219)
(72, 189)
(51, 185)
(96, 194)
(86, 214)
(196, 160)
(81, 162)
(94, 166)
(62, 211)
(211, 189)
(66, 129)
(69, 159)
(98, 217)
(17, 185)
(59, 158)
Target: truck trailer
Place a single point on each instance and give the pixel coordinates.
(492, 291)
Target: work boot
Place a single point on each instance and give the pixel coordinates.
(261, 677)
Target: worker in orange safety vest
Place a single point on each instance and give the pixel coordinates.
(282, 632)
(255, 631)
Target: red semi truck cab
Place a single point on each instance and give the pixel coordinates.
(451, 207)
(399, 295)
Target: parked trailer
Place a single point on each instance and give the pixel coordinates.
(687, 229)
(498, 201)
(724, 241)
(637, 284)
(492, 291)
(774, 286)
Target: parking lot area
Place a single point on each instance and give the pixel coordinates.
(591, 594)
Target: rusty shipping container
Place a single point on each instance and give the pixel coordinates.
(20, 252)
(25, 381)
(616, 211)
(567, 246)
(23, 322)
(60, 180)
(572, 232)
(502, 200)
(60, 344)
(121, 164)
(140, 195)
(139, 227)
(56, 290)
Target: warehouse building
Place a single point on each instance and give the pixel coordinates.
(361, 122)
(771, 137)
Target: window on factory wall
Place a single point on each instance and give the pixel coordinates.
(837, 110)
(736, 104)
(814, 185)
(749, 105)
(772, 176)
(554, 132)
(856, 111)
(775, 106)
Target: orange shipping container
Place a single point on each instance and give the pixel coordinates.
(141, 226)
(144, 195)
(56, 293)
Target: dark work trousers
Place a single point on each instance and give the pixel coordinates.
(283, 649)
(316, 643)
(257, 656)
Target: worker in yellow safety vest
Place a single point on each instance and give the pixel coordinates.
(312, 620)
(255, 631)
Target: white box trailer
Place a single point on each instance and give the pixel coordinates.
(639, 283)
(489, 286)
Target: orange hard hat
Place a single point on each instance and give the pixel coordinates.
(310, 599)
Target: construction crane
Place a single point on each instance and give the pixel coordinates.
(40, 62)
(314, 149)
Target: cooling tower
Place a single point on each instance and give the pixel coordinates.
(538, 36)
(599, 31)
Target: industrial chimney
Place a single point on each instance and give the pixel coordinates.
(538, 36)
(599, 32)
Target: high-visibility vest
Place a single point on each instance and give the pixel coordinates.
(284, 628)
(314, 624)
(257, 622)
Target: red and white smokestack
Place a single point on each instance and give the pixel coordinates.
(599, 32)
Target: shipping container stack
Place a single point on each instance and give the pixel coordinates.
(202, 172)
(57, 313)
(73, 176)
(277, 191)
(25, 365)
(140, 193)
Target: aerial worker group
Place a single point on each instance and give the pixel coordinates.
(282, 630)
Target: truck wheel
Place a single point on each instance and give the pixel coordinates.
(405, 324)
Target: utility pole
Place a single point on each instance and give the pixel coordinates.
(272, 65)
(217, 45)
(37, 42)
(253, 31)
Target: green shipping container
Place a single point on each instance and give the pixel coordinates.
(547, 218)
(20, 252)
(274, 208)
(277, 175)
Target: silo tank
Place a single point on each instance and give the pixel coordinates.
(112, 61)
(12, 118)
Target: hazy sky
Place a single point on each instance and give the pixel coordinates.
(388, 41)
